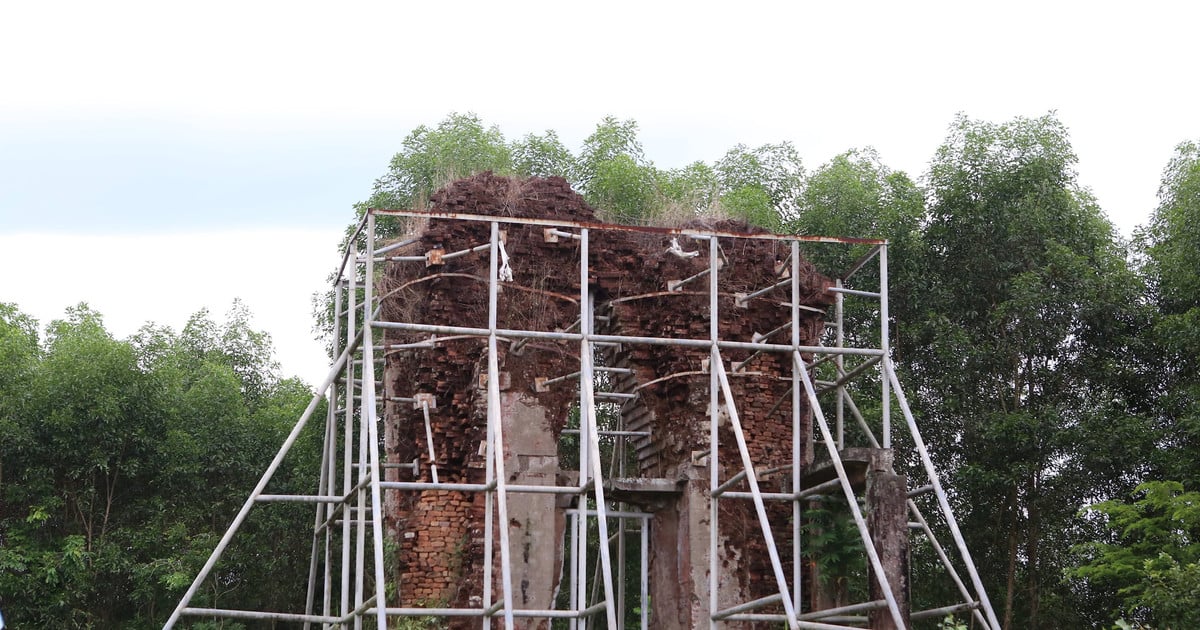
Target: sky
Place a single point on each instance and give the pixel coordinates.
(159, 158)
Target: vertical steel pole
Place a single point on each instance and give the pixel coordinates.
(328, 476)
(572, 575)
(581, 522)
(587, 382)
(644, 574)
(489, 539)
(840, 360)
(497, 432)
(323, 484)
(713, 421)
(361, 472)
(797, 435)
(334, 392)
(588, 414)
(621, 577)
(348, 437)
(371, 418)
(489, 500)
(885, 344)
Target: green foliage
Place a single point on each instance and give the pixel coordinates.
(1152, 558)
(1171, 246)
(834, 548)
(761, 185)
(690, 191)
(625, 189)
(458, 147)
(951, 623)
(613, 174)
(1028, 317)
(543, 156)
(127, 461)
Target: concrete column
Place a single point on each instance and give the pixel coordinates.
(536, 524)
(887, 520)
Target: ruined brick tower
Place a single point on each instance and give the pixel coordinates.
(661, 393)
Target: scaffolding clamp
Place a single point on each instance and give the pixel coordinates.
(420, 400)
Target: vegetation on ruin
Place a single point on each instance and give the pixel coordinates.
(1054, 365)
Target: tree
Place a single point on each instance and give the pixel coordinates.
(122, 462)
(614, 175)
(1027, 317)
(1171, 244)
(543, 156)
(690, 191)
(93, 422)
(458, 147)
(763, 185)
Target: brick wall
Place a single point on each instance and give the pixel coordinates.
(439, 534)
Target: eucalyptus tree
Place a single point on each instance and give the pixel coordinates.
(459, 146)
(614, 175)
(1029, 311)
(1145, 554)
(761, 185)
(543, 156)
(1172, 268)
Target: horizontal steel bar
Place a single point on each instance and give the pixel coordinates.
(564, 234)
(479, 487)
(729, 483)
(464, 252)
(944, 610)
(429, 485)
(616, 395)
(611, 513)
(768, 496)
(599, 339)
(574, 375)
(804, 625)
(916, 492)
(844, 610)
(870, 294)
(743, 607)
(479, 612)
(848, 376)
(818, 489)
(614, 433)
(394, 246)
(228, 613)
(693, 233)
(741, 300)
(298, 498)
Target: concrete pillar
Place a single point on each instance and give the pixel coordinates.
(887, 520)
(536, 524)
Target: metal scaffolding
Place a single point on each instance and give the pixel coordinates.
(347, 583)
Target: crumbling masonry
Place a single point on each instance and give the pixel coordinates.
(581, 425)
(658, 395)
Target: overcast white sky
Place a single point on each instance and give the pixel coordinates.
(157, 158)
